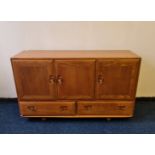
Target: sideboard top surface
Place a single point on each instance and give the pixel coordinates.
(62, 54)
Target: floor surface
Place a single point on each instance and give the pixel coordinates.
(142, 122)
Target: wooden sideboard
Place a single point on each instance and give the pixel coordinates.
(93, 83)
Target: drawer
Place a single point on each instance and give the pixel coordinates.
(47, 108)
(105, 108)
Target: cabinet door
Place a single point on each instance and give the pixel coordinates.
(34, 79)
(116, 78)
(75, 79)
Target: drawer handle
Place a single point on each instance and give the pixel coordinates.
(121, 107)
(100, 79)
(32, 108)
(63, 108)
(88, 107)
(52, 79)
(60, 80)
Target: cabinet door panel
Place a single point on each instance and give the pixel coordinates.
(33, 79)
(116, 78)
(75, 79)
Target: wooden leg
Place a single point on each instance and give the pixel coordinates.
(43, 119)
(108, 119)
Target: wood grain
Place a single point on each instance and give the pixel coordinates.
(105, 108)
(77, 79)
(74, 54)
(119, 78)
(33, 79)
(47, 108)
(76, 84)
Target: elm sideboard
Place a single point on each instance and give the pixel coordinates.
(76, 84)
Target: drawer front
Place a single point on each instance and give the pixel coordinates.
(47, 108)
(105, 108)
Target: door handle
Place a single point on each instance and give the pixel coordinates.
(100, 79)
(60, 80)
(52, 79)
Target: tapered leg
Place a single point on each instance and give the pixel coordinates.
(108, 119)
(43, 119)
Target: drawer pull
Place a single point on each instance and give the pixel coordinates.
(88, 107)
(32, 108)
(63, 108)
(121, 107)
